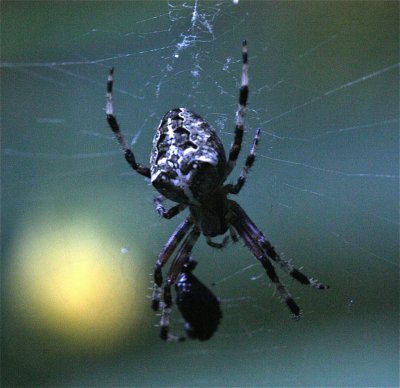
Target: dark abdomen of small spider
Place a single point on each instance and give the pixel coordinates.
(198, 305)
(188, 159)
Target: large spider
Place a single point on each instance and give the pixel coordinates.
(188, 165)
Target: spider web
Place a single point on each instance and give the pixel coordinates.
(323, 189)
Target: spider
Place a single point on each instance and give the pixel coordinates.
(199, 307)
(188, 165)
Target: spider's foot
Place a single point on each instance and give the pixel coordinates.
(294, 308)
(166, 336)
(164, 327)
(296, 317)
(303, 279)
(319, 286)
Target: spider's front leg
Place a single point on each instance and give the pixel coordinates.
(251, 157)
(112, 122)
(243, 94)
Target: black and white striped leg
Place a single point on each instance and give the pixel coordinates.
(176, 267)
(243, 94)
(163, 212)
(112, 122)
(234, 189)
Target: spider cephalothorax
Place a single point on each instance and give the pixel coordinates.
(188, 165)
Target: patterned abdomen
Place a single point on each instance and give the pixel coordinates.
(188, 159)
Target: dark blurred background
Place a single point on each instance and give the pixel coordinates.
(79, 235)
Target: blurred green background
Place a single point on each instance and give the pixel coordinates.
(79, 235)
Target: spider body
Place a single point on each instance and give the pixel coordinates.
(188, 165)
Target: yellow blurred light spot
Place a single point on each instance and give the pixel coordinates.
(73, 280)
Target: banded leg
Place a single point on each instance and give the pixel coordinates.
(112, 122)
(163, 257)
(260, 255)
(289, 268)
(234, 189)
(176, 268)
(243, 94)
(163, 212)
(270, 251)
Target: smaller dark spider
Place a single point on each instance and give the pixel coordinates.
(188, 165)
(198, 305)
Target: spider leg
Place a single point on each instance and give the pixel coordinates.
(233, 234)
(176, 268)
(112, 122)
(240, 224)
(163, 257)
(270, 251)
(244, 92)
(163, 212)
(234, 189)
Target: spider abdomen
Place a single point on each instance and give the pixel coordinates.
(188, 160)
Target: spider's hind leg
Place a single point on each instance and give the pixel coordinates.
(289, 268)
(176, 268)
(263, 250)
(270, 251)
(283, 292)
(163, 257)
